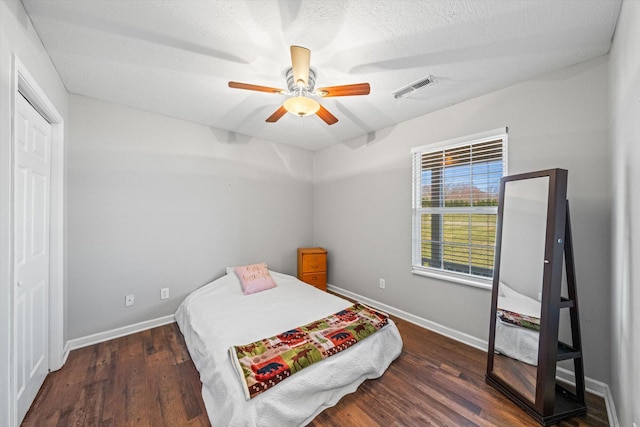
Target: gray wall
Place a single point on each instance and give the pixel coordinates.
(363, 199)
(157, 202)
(625, 119)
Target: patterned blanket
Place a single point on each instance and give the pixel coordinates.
(519, 319)
(264, 363)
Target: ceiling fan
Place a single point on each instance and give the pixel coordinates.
(301, 80)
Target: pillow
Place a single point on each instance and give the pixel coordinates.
(254, 278)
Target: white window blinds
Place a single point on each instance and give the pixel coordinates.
(455, 199)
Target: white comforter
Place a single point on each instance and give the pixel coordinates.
(515, 341)
(218, 315)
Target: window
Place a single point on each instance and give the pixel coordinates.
(455, 205)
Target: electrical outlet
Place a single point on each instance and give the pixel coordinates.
(128, 300)
(382, 284)
(164, 293)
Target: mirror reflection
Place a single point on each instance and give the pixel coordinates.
(521, 269)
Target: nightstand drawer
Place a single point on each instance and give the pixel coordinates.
(319, 280)
(312, 267)
(314, 262)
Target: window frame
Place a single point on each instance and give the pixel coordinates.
(417, 209)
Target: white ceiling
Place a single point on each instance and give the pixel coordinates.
(175, 57)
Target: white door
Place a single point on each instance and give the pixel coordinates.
(31, 172)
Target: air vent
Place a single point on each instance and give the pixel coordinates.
(413, 87)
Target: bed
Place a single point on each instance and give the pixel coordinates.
(218, 316)
(517, 326)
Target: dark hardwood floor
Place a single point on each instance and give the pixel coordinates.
(144, 379)
(148, 379)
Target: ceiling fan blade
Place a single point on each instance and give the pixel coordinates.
(247, 86)
(276, 116)
(345, 90)
(300, 62)
(325, 115)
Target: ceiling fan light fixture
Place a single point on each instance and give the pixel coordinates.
(301, 106)
(301, 82)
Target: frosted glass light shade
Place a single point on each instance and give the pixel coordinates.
(301, 106)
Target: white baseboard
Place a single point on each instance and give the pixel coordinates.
(611, 408)
(427, 324)
(115, 333)
(593, 386)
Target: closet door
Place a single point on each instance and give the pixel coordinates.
(32, 169)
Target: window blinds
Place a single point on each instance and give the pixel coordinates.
(455, 205)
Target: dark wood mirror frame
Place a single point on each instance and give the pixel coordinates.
(552, 401)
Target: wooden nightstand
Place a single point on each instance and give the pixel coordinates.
(312, 267)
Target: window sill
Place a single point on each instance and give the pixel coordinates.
(457, 278)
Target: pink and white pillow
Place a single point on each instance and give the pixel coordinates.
(254, 278)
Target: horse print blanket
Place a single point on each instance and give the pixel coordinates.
(263, 364)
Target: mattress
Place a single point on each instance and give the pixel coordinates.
(218, 316)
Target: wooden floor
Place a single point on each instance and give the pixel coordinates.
(148, 379)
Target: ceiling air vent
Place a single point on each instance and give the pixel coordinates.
(413, 87)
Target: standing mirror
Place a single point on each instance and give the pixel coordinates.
(533, 242)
